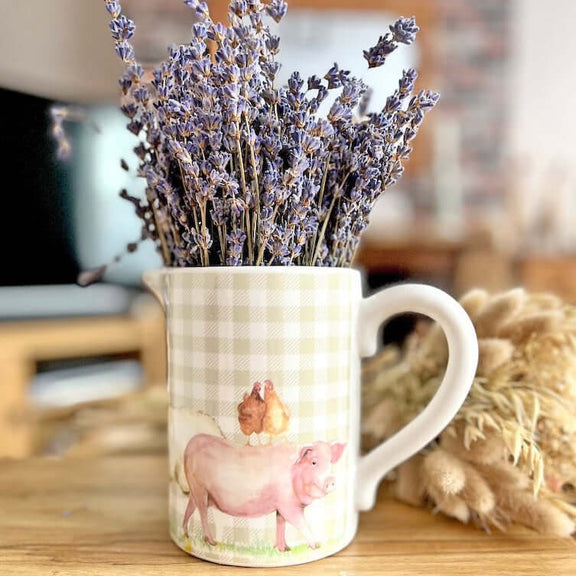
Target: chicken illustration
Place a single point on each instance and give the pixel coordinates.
(251, 413)
(277, 416)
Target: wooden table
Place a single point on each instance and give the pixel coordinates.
(107, 516)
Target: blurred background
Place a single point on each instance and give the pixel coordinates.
(488, 199)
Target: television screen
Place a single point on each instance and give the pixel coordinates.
(36, 236)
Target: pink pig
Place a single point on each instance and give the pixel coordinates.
(253, 481)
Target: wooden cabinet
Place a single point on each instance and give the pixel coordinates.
(24, 344)
(550, 274)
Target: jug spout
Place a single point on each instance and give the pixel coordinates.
(154, 281)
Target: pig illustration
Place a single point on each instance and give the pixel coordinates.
(253, 481)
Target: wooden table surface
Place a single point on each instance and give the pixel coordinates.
(105, 516)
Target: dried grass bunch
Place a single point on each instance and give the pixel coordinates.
(241, 171)
(510, 453)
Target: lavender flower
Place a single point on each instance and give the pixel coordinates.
(240, 171)
(122, 28)
(277, 9)
(113, 8)
(235, 248)
(404, 30)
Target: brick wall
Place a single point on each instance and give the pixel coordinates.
(475, 51)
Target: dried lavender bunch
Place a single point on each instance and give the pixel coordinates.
(241, 172)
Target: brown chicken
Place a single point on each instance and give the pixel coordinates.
(277, 416)
(251, 412)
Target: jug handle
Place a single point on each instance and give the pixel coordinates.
(459, 376)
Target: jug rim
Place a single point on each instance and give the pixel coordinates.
(256, 269)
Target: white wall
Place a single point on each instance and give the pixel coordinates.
(542, 129)
(60, 49)
(543, 82)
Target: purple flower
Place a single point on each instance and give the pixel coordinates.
(314, 83)
(135, 126)
(427, 99)
(406, 84)
(141, 94)
(272, 44)
(201, 30)
(113, 8)
(376, 56)
(125, 51)
(404, 30)
(203, 239)
(202, 68)
(201, 8)
(129, 109)
(235, 247)
(238, 8)
(217, 32)
(351, 93)
(218, 213)
(339, 113)
(278, 245)
(277, 9)
(311, 144)
(237, 206)
(295, 83)
(122, 28)
(336, 77)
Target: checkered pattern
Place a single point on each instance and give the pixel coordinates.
(229, 328)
